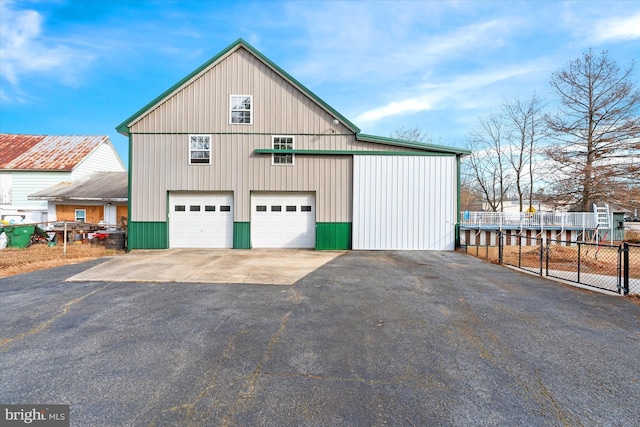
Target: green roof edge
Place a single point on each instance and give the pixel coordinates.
(123, 127)
(411, 144)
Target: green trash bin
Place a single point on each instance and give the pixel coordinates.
(19, 236)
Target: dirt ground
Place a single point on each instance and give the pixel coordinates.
(39, 256)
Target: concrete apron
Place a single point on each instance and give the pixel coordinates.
(256, 266)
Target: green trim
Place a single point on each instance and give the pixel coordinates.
(129, 172)
(241, 235)
(333, 236)
(410, 144)
(459, 199)
(148, 235)
(240, 43)
(348, 152)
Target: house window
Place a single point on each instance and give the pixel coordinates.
(283, 143)
(81, 215)
(241, 109)
(199, 149)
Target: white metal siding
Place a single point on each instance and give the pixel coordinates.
(404, 202)
(102, 159)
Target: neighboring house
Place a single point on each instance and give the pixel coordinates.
(30, 163)
(99, 197)
(239, 154)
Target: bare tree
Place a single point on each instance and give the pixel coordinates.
(488, 162)
(415, 134)
(596, 129)
(526, 123)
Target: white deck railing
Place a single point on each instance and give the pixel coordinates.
(538, 220)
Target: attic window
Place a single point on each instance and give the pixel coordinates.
(241, 109)
(199, 149)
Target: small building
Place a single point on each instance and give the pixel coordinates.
(31, 163)
(97, 198)
(239, 154)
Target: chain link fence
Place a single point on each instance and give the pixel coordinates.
(34, 246)
(615, 268)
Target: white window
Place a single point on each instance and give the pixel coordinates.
(81, 215)
(199, 149)
(241, 109)
(283, 143)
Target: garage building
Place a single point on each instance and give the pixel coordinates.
(239, 154)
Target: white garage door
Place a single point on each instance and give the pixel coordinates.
(200, 220)
(283, 220)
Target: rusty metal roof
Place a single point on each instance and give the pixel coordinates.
(43, 152)
(99, 186)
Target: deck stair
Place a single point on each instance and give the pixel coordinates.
(602, 216)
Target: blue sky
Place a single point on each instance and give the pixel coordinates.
(83, 67)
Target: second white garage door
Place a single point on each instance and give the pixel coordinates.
(283, 220)
(201, 220)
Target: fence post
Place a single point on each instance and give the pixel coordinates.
(500, 247)
(579, 249)
(625, 269)
(519, 251)
(64, 251)
(542, 242)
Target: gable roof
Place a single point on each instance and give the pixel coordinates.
(123, 127)
(101, 186)
(45, 152)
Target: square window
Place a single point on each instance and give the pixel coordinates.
(179, 208)
(226, 208)
(199, 149)
(291, 208)
(305, 208)
(81, 215)
(261, 208)
(241, 107)
(209, 208)
(194, 208)
(276, 208)
(283, 143)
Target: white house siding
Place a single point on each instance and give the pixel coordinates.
(404, 202)
(6, 185)
(29, 182)
(103, 159)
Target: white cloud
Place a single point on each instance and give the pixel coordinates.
(435, 94)
(618, 28)
(24, 50)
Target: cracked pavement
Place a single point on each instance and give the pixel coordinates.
(370, 338)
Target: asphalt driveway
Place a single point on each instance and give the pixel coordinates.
(369, 338)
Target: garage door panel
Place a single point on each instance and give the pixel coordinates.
(201, 220)
(283, 220)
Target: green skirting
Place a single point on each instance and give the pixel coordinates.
(333, 235)
(148, 235)
(241, 235)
